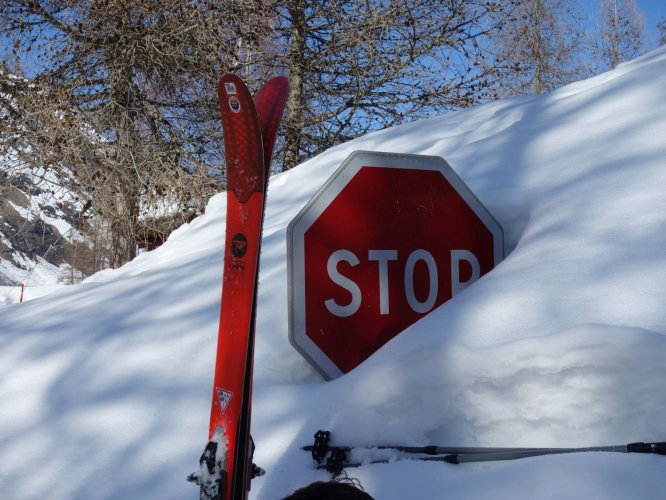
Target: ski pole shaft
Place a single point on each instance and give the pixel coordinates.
(432, 449)
(336, 458)
(322, 445)
(495, 456)
(459, 458)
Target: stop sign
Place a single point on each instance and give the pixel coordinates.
(386, 240)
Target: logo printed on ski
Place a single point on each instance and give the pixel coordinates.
(230, 88)
(234, 104)
(239, 245)
(224, 397)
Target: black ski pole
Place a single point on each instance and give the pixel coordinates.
(338, 455)
(322, 445)
(466, 457)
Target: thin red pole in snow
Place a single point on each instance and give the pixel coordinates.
(22, 289)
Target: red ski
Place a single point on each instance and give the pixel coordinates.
(226, 464)
(269, 103)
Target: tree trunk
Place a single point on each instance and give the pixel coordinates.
(124, 226)
(123, 244)
(294, 120)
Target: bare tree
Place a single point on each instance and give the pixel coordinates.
(362, 65)
(661, 26)
(123, 99)
(620, 33)
(539, 47)
(122, 93)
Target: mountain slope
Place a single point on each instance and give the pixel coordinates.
(40, 219)
(105, 385)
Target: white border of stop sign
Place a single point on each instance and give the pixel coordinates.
(317, 205)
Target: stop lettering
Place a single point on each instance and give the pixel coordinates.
(382, 257)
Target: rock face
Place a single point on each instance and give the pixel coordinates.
(39, 238)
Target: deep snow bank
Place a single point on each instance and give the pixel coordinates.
(107, 383)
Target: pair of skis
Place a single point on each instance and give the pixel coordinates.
(335, 458)
(250, 126)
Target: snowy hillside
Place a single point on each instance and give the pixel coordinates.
(35, 226)
(39, 237)
(105, 386)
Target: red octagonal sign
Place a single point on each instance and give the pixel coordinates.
(385, 241)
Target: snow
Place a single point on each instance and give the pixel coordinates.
(44, 201)
(105, 386)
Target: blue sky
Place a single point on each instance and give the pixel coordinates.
(654, 11)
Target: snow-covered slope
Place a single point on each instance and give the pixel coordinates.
(105, 386)
(39, 216)
(38, 235)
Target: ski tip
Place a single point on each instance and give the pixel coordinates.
(280, 81)
(277, 83)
